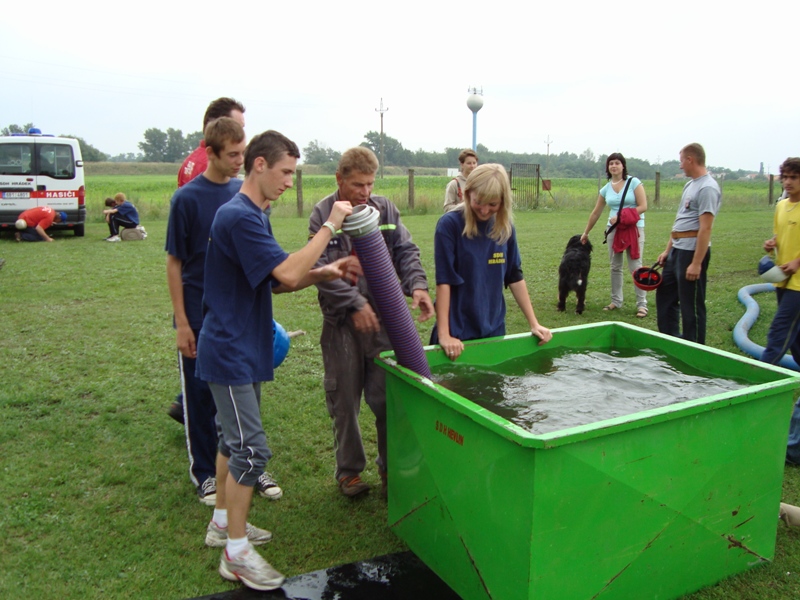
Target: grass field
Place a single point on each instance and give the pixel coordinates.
(96, 497)
(151, 193)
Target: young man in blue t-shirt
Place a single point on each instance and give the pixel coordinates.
(192, 210)
(244, 267)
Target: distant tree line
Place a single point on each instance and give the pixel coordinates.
(172, 146)
(565, 164)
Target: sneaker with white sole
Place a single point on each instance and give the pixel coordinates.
(207, 492)
(217, 537)
(267, 487)
(113, 238)
(251, 569)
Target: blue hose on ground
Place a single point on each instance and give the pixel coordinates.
(742, 328)
(370, 247)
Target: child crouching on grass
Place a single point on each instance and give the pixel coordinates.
(244, 267)
(121, 213)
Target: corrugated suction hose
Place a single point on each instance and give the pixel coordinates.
(362, 227)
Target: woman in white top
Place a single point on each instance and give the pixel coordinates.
(611, 195)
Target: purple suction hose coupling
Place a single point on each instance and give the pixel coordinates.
(370, 247)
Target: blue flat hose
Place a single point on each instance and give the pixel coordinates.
(742, 328)
(370, 247)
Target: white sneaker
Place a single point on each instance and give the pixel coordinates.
(251, 569)
(114, 238)
(217, 537)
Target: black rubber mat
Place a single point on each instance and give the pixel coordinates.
(399, 576)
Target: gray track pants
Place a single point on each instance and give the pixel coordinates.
(243, 439)
(349, 371)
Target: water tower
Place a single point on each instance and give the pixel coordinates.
(475, 103)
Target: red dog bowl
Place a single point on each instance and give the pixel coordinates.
(647, 278)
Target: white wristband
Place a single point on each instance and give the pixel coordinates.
(330, 226)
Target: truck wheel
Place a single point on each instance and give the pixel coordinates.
(79, 230)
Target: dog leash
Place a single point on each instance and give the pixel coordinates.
(619, 212)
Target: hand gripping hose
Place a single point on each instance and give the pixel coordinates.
(370, 247)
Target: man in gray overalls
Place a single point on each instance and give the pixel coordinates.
(352, 334)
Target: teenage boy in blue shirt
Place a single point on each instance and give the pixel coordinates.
(244, 267)
(191, 212)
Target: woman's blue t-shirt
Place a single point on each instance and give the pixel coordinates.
(476, 270)
(613, 199)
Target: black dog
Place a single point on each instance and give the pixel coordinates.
(573, 272)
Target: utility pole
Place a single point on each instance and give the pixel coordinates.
(548, 141)
(381, 110)
(657, 199)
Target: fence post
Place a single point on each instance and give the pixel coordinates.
(657, 199)
(411, 189)
(771, 187)
(538, 181)
(299, 187)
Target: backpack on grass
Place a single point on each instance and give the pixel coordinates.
(132, 235)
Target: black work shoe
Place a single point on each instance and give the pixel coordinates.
(176, 411)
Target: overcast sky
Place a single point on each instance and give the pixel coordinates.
(639, 78)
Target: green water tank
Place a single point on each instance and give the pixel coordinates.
(653, 505)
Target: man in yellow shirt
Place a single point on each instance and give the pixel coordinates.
(784, 332)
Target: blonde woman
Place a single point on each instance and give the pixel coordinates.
(476, 255)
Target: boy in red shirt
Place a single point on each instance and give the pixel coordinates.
(38, 219)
